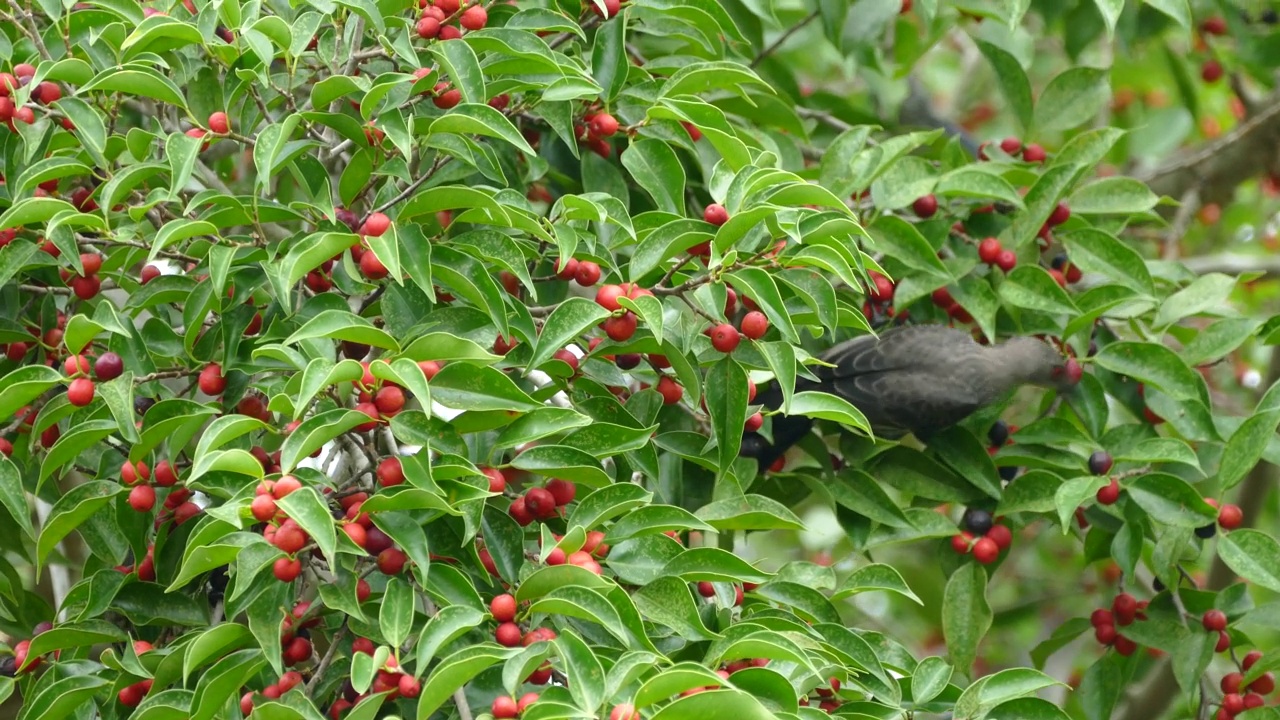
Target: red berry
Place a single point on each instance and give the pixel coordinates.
(625, 711)
(1230, 517)
(389, 399)
(409, 685)
(1224, 642)
(474, 18)
(142, 498)
(211, 380)
(80, 392)
(1264, 685)
(753, 423)
(504, 707)
(620, 328)
(497, 481)
(925, 206)
(1211, 71)
(1011, 145)
(1061, 213)
(1125, 608)
(219, 124)
(446, 97)
(1233, 703)
(519, 512)
(605, 125)
(1214, 620)
(1125, 646)
(1216, 25)
(607, 296)
(391, 561)
(562, 490)
(570, 270)
(1231, 682)
(670, 390)
(961, 543)
(1034, 153)
(725, 338)
(390, 472)
(1252, 657)
(540, 503)
(284, 486)
(588, 273)
(427, 27)
(526, 700)
(989, 251)
(715, 214)
(881, 289)
(376, 225)
(503, 608)
(1101, 617)
(755, 325)
(1006, 260)
(1110, 493)
(508, 635)
(1105, 634)
(287, 569)
(1001, 535)
(985, 550)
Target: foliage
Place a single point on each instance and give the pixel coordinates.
(333, 268)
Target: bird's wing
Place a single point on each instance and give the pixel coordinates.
(894, 349)
(899, 402)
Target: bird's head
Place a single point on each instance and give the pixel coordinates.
(1037, 362)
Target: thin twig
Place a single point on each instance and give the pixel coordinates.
(783, 38)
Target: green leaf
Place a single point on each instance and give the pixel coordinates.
(758, 285)
(966, 616)
(749, 512)
(1013, 81)
(224, 681)
(474, 387)
(1246, 446)
(14, 497)
(480, 119)
(566, 324)
(344, 325)
(609, 63)
(930, 678)
(462, 66)
(136, 79)
(1094, 251)
(308, 509)
(21, 386)
(655, 167)
(448, 624)
(70, 511)
(1072, 98)
(1031, 287)
(563, 462)
(395, 616)
(877, 576)
(459, 668)
(1207, 295)
(1155, 365)
(1253, 555)
(1170, 500)
(829, 407)
(726, 402)
(1113, 196)
(901, 240)
(314, 432)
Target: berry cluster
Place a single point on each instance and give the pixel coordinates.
(981, 535)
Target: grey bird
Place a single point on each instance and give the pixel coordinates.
(916, 379)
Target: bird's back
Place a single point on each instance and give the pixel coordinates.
(917, 378)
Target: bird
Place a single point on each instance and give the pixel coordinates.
(915, 379)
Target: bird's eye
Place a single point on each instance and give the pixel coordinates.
(1057, 372)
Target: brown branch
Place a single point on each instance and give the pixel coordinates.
(1218, 166)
